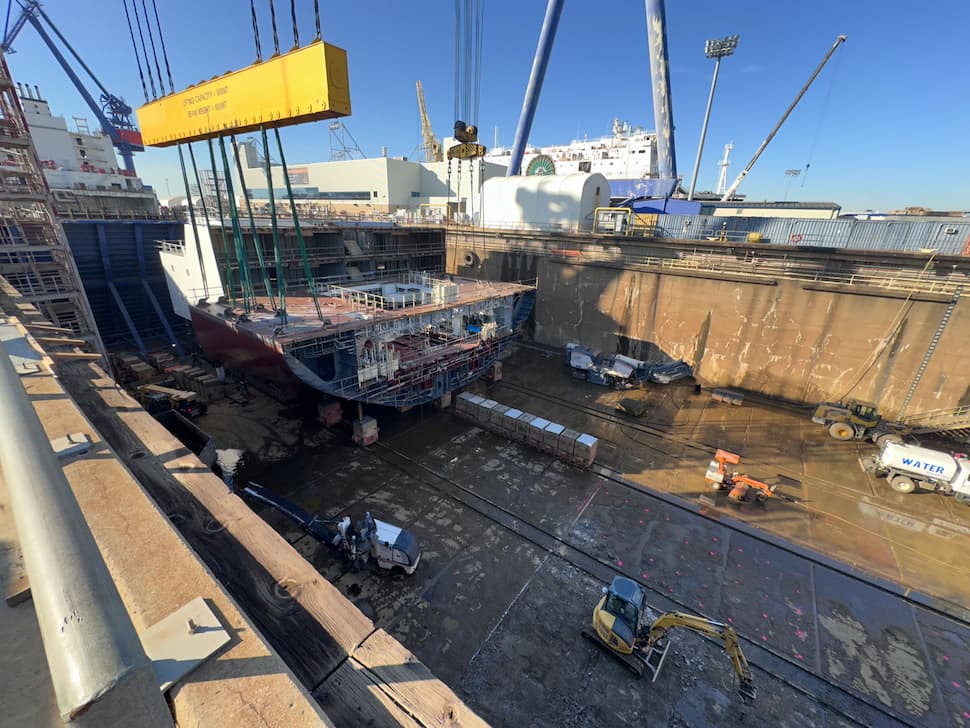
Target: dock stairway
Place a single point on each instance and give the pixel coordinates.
(953, 422)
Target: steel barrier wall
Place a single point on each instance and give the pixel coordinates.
(946, 237)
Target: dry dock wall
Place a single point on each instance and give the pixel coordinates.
(795, 339)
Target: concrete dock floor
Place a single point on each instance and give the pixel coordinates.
(518, 545)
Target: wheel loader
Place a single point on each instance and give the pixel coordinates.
(857, 420)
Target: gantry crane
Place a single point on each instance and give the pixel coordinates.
(432, 147)
(112, 113)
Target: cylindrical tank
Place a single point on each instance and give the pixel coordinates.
(544, 202)
(921, 461)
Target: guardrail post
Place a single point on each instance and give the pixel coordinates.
(98, 667)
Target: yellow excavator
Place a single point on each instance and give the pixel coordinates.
(621, 630)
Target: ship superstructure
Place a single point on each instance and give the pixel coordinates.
(627, 158)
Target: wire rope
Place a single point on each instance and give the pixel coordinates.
(296, 225)
(296, 29)
(134, 47)
(316, 18)
(252, 224)
(280, 280)
(195, 229)
(222, 222)
(151, 38)
(252, 12)
(161, 39)
(276, 38)
(144, 49)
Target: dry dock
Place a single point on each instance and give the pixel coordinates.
(847, 596)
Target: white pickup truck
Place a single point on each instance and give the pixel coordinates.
(909, 467)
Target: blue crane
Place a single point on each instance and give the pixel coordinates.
(112, 112)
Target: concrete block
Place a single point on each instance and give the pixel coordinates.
(70, 445)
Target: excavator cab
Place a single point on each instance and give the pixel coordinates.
(616, 618)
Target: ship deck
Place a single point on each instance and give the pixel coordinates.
(340, 314)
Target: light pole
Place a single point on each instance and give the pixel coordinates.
(716, 49)
(792, 174)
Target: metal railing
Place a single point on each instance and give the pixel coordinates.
(99, 670)
(941, 420)
(755, 265)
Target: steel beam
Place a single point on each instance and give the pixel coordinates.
(539, 64)
(663, 114)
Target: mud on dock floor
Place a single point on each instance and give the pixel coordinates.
(517, 546)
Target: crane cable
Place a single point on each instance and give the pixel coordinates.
(161, 39)
(195, 229)
(144, 48)
(222, 223)
(316, 18)
(457, 105)
(134, 47)
(252, 225)
(478, 59)
(296, 30)
(904, 309)
(280, 276)
(244, 281)
(252, 11)
(276, 38)
(311, 284)
(822, 116)
(151, 38)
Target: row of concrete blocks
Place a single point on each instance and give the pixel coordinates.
(568, 445)
(727, 396)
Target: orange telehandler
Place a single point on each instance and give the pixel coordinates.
(739, 486)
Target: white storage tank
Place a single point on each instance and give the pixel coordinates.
(559, 202)
(920, 461)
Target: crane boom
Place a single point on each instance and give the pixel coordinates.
(744, 172)
(708, 627)
(113, 114)
(432, 147)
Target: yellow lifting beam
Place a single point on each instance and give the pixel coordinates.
(306, 84)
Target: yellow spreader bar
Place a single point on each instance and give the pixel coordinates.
(306, 84)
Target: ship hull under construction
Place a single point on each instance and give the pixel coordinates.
(398, 344)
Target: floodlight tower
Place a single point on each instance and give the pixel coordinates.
(716, 49)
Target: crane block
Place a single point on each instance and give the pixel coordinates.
(306, 84)
(466, 151)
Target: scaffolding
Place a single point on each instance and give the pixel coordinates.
(34, 254)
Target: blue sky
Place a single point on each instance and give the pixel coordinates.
(883, 127)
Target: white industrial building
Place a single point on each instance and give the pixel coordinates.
(378, 185)
(80, 166)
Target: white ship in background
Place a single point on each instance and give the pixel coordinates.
(628, 159)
